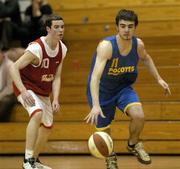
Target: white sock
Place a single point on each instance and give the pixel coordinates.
(28, 154)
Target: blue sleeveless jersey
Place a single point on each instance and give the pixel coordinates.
(119, 72)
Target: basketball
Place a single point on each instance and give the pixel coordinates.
(100, 144)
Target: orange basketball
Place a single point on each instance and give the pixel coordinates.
(100, 144)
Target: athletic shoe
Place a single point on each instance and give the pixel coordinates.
(140, 153)
(29, 163)
(40, 165)
(111, 162)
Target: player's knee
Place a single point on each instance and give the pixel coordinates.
(136, 113)
(138, 116)
(37, 116)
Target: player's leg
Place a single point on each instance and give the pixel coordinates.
(135, 128)
(104, 125)
(31, 136)
(32, 130)
(130, 104)
(136, 114)
(35, 114)
(42, 138)
(44, 130)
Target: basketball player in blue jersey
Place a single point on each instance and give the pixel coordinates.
(113, 71)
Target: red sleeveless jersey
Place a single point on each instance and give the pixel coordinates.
(39, 79)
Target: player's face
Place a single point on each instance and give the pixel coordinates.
(126, 29)
(57, 29)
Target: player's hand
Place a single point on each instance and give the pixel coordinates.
(92, 117)
(55, 106)
(28, 98)
(165, 86)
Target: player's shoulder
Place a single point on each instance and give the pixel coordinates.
(64, 49)
(104, 49)
(105, 44)
(63, 45)
(33, 48)
(140, 43)
(107, 41)
(34, 44)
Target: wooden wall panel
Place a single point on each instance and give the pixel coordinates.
(107, 15)
(153, 130)
(77, 112)
(99, 31)
(80, 4)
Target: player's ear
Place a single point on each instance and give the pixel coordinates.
(48, 28)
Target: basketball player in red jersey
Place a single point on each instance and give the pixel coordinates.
(36, 74)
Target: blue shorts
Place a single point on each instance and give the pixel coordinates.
(125, 98)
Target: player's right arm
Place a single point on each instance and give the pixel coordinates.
(104, 52)
(26, 59)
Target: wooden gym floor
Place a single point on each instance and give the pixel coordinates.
(89, 162)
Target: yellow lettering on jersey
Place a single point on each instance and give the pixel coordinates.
(117, 71)
(115, 62)
(47, 78)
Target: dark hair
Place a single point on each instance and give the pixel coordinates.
(51, 18)
(127, 15)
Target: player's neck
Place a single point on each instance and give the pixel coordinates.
(124, 46)
(123, 42)
(52, 43)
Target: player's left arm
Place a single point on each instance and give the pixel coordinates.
(148, 62)
(56, 85)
